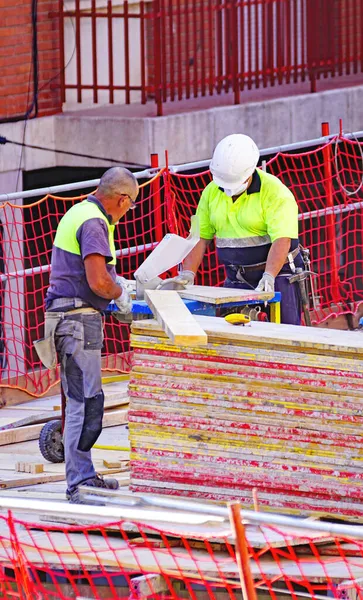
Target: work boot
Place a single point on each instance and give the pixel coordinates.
(99, 482)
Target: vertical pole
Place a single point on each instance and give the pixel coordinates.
(243, 560)
(127, 51)
(78, 51)
(234, 42)
(61, 50)
(110, 52)
(155, 191)
(330, 218)
(157, 57)
(94, 51)
(142, 53)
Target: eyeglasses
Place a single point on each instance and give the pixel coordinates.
(132, 203)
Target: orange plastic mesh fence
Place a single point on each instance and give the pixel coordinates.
(328, 186)
(134, 560)
(27, 237)
(327, 183)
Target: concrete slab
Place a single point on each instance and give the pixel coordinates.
(274, 116)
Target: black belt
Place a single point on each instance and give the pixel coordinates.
(262, 265)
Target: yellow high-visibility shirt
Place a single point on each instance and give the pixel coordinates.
(266, 211)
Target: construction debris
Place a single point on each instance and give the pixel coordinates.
(23, 467)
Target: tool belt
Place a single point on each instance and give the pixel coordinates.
(67, 304)
(261, 266)
(45, 347)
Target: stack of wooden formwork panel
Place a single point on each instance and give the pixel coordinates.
(277, 408)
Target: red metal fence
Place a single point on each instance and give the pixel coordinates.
(176, 49)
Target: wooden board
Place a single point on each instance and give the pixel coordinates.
(175, 319)
(220, 295)
(271, 334)
(31, 432)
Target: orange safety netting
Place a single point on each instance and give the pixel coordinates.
(132, 559)
(327, 183)
(27, 237)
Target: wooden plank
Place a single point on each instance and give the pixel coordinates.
(220, 295)
(50, 416)
(20, 434)
(16, 481)
(112, 464)
(176, 320)
(271, 335)
(31, 432)
(115, 417)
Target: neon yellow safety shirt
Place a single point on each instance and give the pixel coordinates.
(266, 211)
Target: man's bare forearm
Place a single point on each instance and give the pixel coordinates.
(277, 256)
(195, 256)
(106, 287)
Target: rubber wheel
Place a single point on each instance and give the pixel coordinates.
(51, 442)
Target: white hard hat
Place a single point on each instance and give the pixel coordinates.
(234, 160)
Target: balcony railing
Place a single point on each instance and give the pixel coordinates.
(160, 50)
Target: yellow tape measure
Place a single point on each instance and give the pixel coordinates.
(237, 319)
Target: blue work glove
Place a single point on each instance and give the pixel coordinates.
(266, 283)
(179, 282)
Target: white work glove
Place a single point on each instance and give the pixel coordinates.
(183, 279)
(266, 283)
(124, 284)
(123, 302)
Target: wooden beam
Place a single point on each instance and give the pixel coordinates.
(175, 319)
(220, 295)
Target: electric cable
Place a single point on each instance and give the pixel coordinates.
(4, 140)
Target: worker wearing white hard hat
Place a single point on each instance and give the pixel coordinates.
(253, 218)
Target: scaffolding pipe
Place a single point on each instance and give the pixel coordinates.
(322, 212)
(149, 173)
(67, 187)
(273, 150)
(199, 510)
(46, 268)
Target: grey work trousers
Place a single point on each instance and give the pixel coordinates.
(78, 340)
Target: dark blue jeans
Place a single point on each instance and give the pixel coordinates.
(290, 294)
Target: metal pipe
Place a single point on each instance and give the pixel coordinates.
(117, 512)
(149, 173)
(272, 150)
(45, 268)
(102, 513)
(330, 222)
(322, 212)
(56, 189)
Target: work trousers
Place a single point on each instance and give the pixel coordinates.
(290, 294)
(78, 340)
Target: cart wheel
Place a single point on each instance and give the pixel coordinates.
(51, 442)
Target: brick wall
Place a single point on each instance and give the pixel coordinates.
(16, 63)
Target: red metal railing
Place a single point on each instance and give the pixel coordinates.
(176, 49)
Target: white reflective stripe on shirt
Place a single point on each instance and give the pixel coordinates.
(247, 242)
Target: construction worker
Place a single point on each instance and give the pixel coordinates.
(253, 217)
(83, 280)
